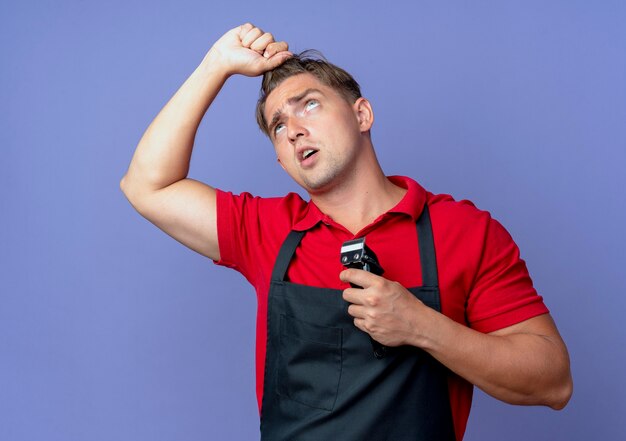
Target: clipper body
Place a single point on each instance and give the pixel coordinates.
(355, 254)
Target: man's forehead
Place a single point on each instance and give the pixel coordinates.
(290, 88)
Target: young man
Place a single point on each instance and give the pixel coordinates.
(455, 306)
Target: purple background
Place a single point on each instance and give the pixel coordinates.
(111, 330)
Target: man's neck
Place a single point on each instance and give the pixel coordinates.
(360, 200)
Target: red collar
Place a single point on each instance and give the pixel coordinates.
(413, 201)
(411, 204)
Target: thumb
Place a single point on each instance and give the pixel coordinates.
(277, 59)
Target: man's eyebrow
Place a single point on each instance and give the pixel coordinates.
(293, 100)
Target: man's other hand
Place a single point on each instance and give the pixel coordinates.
(384, 309)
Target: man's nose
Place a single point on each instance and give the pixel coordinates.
(296, 129)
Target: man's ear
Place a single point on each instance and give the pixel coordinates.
(364, 113)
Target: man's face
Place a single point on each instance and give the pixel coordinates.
(316, 133)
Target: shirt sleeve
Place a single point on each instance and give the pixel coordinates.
(250, 230)
(502, 293)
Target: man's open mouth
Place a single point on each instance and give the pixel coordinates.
(307, 154)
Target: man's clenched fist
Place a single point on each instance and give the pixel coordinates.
(247, 50)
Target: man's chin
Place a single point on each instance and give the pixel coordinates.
(320, 185)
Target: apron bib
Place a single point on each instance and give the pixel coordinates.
(322, 381)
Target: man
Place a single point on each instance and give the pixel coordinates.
(455, 306)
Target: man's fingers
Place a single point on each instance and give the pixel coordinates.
(251, 36)
(356, 311)
(359, 277)
(278, 59)
(274, 48)
(261, 43)
(353, 295)
(247, 50)
(244, 29)
(360, 323)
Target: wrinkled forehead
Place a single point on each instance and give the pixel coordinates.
(289, 88)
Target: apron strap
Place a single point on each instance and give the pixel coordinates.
(427, 249)
(285, 254)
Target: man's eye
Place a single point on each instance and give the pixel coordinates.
(278, 128)
(311, 104)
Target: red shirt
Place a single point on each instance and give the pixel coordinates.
(484, 284)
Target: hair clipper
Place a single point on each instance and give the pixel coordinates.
(355, 254)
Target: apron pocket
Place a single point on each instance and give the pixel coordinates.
(309, 363)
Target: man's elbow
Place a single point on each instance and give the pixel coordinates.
(552, 385)
(131, 192)
(122, 184)
(125, 188)
(562, 394)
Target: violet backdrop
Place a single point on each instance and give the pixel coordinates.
(111, 330)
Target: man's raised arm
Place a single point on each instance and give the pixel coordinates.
(156, 182)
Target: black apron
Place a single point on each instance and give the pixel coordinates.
(322, 381)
